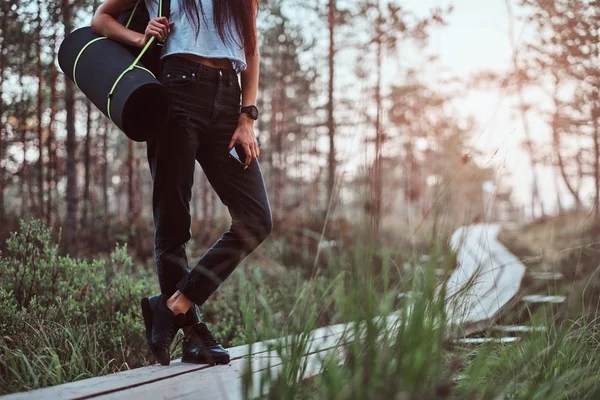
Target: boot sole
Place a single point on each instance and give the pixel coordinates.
(162, 355)
(195, 360)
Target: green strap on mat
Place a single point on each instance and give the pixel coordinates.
(79, 55)
(131, 16)
(131, 67)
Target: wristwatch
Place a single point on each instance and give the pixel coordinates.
(251, 110)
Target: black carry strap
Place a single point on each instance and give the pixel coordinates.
(166, 7)
(164, 10)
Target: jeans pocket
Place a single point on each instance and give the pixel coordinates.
(177, 75)
(178, 79)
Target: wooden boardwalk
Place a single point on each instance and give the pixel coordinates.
(185, 381)
(486, 279)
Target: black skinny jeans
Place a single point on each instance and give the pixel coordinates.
(205, 113)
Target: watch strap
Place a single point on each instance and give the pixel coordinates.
(249, 110)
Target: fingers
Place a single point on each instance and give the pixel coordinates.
(154, 32)
(232, 142)
(250, 147)
(252, 153)
(249, 156)
(160, 28)
(254, 150)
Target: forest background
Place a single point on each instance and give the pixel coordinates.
(407, 119)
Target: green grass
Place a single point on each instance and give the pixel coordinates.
(415, 358)
(86, 335)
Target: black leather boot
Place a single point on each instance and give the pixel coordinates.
(201, 347)
(192, 316)
(161, 326)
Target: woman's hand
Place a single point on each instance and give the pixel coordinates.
(158, 27)
(244, 135)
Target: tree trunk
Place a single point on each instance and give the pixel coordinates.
(22, 116)
(89, 202)
(281, 146)
(596, 171)
(580, 173)
(558, 199)
(330, 120)
(556, 148)
(595, 100)
(276, 153)
(535, 198)
(40, 106)
(3, 23)
(93, 179)
(105, 174)
(377, 178)
(71, 147)
(52, 159)
(86, 165)
(131, 183)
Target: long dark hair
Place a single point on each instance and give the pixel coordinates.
(241, 12)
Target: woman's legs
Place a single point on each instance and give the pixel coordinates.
(171, 157)
(242, 191)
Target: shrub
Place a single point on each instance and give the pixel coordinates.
(64, 319)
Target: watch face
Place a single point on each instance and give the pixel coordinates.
(254, 113)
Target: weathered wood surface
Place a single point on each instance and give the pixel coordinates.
(543, 275)
(508, 339)
(225, 382)
(188, 381)
(159, 377)
(541, 298)
(487, 276)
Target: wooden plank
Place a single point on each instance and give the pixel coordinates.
(519, 328)
(115, 382)
(552, 276)
(486, 278)
(508, 339)
(508, 330)
(225, 381)
(540, 298)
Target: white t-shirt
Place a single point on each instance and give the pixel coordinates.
(208, 43)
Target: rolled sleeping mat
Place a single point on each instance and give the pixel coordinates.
(115, 80)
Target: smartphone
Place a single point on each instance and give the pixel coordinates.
(237, 153)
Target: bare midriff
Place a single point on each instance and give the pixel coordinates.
(211, 62)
